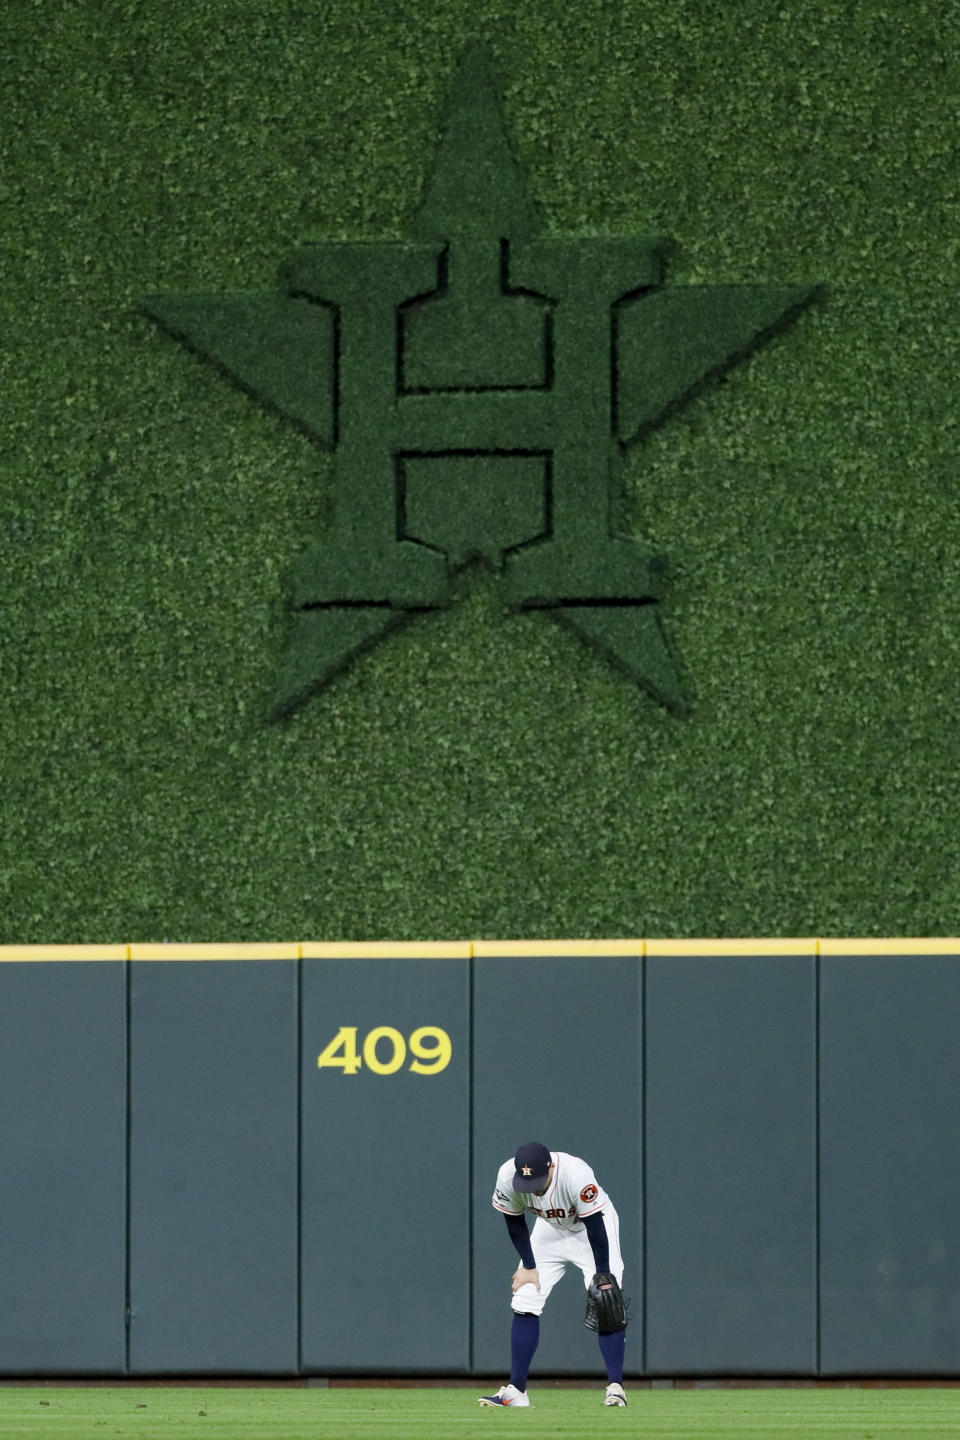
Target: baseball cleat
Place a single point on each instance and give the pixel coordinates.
(615, 1395)
(509, 1395)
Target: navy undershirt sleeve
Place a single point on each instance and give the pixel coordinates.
(599, 1244)
(520, 1235)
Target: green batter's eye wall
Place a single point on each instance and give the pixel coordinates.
(278, 1159)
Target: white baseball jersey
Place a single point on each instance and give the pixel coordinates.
(573, 1192)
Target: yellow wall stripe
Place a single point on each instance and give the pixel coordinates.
(387, 950)
(63, 952)
(464, 949)
(941, 946)
(771, 947)
(282, 950)
(558, 947)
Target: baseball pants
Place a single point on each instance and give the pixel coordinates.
(555, 1249)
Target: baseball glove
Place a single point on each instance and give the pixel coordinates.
(606, 1307)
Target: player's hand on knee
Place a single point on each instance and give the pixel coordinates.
(525, 1277)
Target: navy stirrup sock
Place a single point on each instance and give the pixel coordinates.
(612, 1348)
(524, 1338)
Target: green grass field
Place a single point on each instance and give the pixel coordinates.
(31, 1413)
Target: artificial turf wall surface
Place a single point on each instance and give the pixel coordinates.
(479, 773)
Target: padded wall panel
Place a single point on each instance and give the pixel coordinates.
(213, 1167)
(386, 1193)
(890, 1164)
(62, 1167)
(730, 1164)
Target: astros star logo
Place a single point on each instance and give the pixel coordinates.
(480, 385)
(527, 1170)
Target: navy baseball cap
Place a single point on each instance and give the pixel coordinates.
(533, 1167)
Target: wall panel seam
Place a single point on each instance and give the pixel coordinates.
(643, 1163)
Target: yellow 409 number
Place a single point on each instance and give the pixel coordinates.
(384, 1051)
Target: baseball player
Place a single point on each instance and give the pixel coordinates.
(575, 1224)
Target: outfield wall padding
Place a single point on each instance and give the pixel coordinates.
(279, 1159)
(890, 1164)
(385, 1178)
(213, 1167)
(730, 1061)
(63, 1043)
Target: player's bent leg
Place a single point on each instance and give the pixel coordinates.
(527, 1304)
(524, 1339)
(529, 1300)
(550, 1260)
(612, 1348)
(612, 1345)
